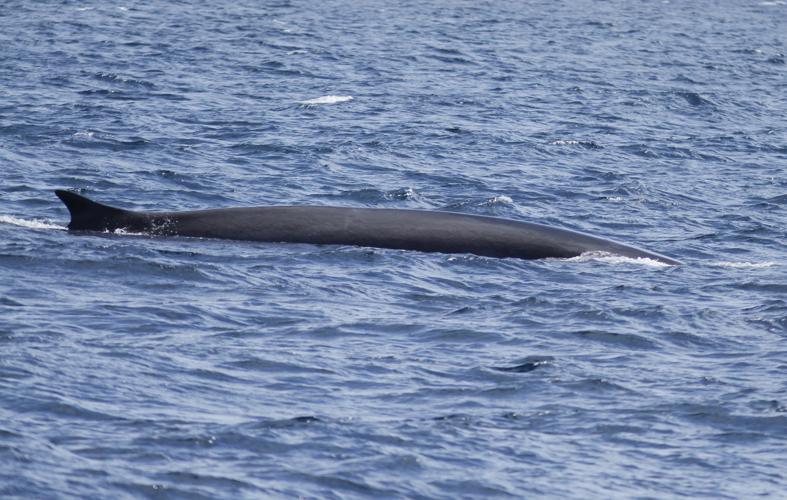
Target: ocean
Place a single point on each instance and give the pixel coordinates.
(142, 367)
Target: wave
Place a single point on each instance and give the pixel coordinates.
(327, 99)
(609, 258)
(744, 265)
(32, 224)
(572, 142)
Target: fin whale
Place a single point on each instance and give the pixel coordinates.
(421, 230)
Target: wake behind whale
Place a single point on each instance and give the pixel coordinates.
(420, 230)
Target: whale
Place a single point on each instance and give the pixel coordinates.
(403, 229)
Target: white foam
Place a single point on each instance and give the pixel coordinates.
(501, 200)
(32, 224)
(744, 265)
(609, 258)
(124, 232)
(327, 99)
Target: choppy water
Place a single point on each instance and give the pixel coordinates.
(134, 367)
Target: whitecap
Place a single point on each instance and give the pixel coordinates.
(501, 200)
(744, 265)
(401, 194)
(610, 258)
(121, 231)
(32, 224)
(327, 99)
(495, 200)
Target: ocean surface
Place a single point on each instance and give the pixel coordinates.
(135, 367)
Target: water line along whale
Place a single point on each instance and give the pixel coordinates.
(421, 230)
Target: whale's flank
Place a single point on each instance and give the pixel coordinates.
(421, 230)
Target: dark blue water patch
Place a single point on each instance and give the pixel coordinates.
(525, 367)
(120, 80)
(97, 140)
(373, 196)
(695, 99)
(30, 131)
(111, 94)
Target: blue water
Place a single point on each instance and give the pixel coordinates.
(185, 368)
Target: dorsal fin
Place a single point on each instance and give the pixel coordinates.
(87, 215)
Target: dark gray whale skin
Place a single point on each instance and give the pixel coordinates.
(421, 230)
